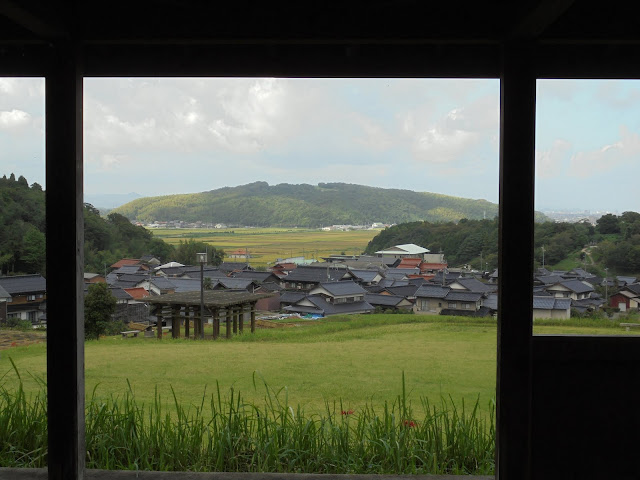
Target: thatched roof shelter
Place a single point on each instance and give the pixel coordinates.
(181, 307)
(212, 298)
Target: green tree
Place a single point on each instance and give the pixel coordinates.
(186, 252)
(34, 251)
(608, 223)
(99, 305)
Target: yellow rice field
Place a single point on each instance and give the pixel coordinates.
(265, 245)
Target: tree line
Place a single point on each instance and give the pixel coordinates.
(614, 241)
(107, 240)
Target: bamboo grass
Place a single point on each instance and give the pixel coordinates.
(225, 433)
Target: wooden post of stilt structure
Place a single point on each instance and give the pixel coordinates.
(236, 314)
(216, 323)
(196, 321)
(175, 322)
(241, 326)
(159, 323)
(253, 318)
(187, 321)
(228, 313)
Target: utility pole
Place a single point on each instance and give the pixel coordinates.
(606, 287)
(542, 256)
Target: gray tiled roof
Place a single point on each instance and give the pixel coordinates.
(365, 275)
(314, 275)
(551, 303)
(549, 279)
(458, 295)
(22, 284)
(393, 282)
(127, 269)
(120, 294)
(162, 283)
(634, 287)
(185, 284)
(475, 285)
(257, 277)
(292, 297)
(341, 308)
(243, 283)
(432, 291)
(491, 301)
(231, 266)
(346, 287)
(4, 293)
(625, 280)
(383, 300)
(577, 286)
(404, 291)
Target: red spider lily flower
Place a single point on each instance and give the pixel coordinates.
(410, 424)
(347, 412)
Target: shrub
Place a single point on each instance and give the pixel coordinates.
(19, 324)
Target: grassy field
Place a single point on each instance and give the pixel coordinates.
(354, 360)
(265, 245)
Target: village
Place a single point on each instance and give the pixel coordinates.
(403, 278)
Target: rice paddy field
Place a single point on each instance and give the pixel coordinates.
(265, 245)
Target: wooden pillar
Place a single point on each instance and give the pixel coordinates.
(175, 322)
(515, 263)
(216, 323)
(253, 318)
(159, 316)
(228, 313)
(187, 320)
(241, 326)
(65, 262)
(236, 314)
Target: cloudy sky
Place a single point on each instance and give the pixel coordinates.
(162, 136)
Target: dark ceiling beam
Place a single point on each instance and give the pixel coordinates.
(347, 60)
(43, 29)
(594, 61)
(539, 18)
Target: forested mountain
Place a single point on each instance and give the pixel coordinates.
(23, 241)
(285, 205)
(22, 226)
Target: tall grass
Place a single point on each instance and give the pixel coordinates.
(23, 425)
(225, 433)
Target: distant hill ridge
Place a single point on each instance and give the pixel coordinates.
(287, 205)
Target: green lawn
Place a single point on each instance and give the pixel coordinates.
(355, 360)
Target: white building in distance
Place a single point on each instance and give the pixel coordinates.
(408, 250)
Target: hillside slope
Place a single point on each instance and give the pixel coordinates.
(261, 204)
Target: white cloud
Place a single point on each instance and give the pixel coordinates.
(14, 119)
(461, 132)
(607, 157)
(551, 163)
(7, 85)
(371, 135)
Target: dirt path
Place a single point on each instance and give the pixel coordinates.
(587, 253)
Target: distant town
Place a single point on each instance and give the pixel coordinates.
(222, 226)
